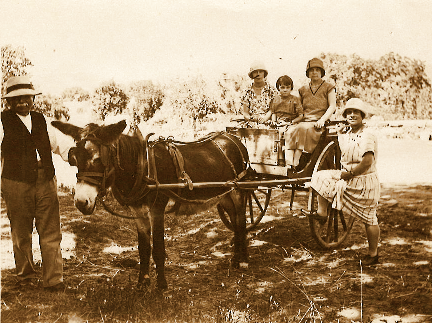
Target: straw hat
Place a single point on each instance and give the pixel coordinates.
(356, 104)
(18, 86)
(257, 66)
(315, 62)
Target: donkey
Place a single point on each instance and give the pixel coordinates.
(129, 165)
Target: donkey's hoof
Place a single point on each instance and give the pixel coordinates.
(144, 283)
(162, 285)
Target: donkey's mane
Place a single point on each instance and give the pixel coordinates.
(129, 148)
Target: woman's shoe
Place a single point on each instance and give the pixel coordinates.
(315, 216)
(370, 261)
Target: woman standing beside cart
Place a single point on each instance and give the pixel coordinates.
(356, 189)
(319, 103)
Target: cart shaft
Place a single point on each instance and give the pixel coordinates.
(244, 185)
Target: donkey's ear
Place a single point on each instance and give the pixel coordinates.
(111, 132)
(68, 129)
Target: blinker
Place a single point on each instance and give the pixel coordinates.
(104, 154)
(72, 158)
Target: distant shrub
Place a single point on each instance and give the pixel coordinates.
(146, 99)
(76, 94)
(398, 86)
(109, 98)
(51, 106)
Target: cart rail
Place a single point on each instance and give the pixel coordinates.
(243, 184)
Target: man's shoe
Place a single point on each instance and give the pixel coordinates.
(60, 287)
(314, 216)
(369, 261)
(29, 283)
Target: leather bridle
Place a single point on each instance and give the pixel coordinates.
(98, 178)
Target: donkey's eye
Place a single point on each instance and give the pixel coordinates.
(96, 161)
(72, 158)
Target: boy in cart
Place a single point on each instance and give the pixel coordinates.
(285, 110)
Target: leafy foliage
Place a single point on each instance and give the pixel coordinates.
(398, 86)
(231, 87)
(14, 63)
(193, 99)
(51, 106)
(147, 99)
(75, 94)
(110, 98)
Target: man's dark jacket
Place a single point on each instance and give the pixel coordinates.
(19, 148)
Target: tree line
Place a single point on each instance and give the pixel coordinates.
(396, 86)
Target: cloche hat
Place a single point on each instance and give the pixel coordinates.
(356, 104)
(315, 62)
(257, 66)
(19, 85)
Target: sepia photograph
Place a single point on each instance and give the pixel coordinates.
(216, 161)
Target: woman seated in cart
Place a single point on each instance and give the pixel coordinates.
(318, 100)
(356, 189)
(256, 100)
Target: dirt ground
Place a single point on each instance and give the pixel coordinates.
(289, 279)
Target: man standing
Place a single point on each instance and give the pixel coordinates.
(29, 187)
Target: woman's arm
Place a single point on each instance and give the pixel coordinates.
(298, 119)
(331, 109)
(245, 111)
(267, 117)
(367, 160)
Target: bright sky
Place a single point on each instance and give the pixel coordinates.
(85, 43)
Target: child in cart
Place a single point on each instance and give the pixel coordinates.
(285, 110)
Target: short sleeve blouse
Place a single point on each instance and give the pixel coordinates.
(261, 104)
(288, 109)
(315, 104)
(353, 147)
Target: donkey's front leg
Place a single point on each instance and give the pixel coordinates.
(235, 205)
(143, 225)
(240, 232)
(159, 245)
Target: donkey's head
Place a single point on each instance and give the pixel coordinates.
(91, 156)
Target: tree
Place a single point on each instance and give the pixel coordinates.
(109, 98)
(398, 86)
(51, 106)
(75, 94)
(147, 97)
(14, 63)
(231, 88)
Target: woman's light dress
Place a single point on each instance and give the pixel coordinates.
(257, 105)
(358, 196)
(304, 136)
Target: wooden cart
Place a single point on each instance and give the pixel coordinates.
(267, 160)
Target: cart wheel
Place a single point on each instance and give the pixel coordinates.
(257, 202)
(336, 229)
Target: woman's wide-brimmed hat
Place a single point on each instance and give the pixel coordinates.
(315, 62)
(357, 104)
(18, 86)
(255, 66)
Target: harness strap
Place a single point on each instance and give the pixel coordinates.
(178, 198)
(138, 190)
(226, 157)
(178, 160)
(229, 136)
(151, 166)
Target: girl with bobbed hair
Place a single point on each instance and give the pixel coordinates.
(285, 107)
